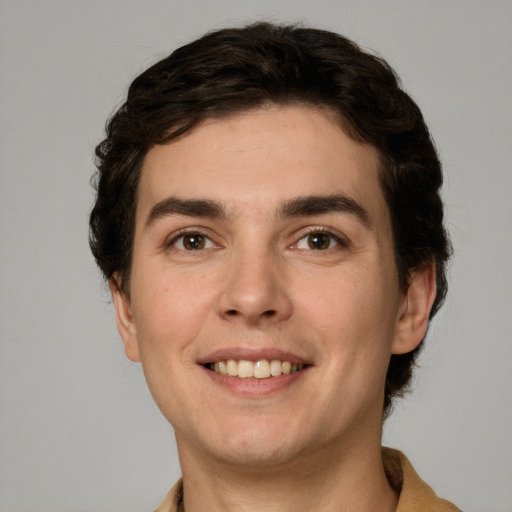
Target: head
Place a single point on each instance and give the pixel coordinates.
(236, 70)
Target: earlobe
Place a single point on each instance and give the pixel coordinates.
(414, 314)
(125, 321)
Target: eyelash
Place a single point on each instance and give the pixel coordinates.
(341, 242)
(180, 235)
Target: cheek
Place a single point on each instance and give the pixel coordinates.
(170, 314)
(355, 311)
(169, 310)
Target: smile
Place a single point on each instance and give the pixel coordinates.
(261, 369)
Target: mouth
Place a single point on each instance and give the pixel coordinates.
(259, 369)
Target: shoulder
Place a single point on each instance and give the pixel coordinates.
(173, 499)
(414, 494)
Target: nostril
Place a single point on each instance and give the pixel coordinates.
(270, 312)
(232, 312)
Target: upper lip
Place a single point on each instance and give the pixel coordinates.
(251, 354)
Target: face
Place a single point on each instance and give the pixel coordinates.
(263, 301)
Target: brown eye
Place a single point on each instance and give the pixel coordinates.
(193, 242)
(319, 241)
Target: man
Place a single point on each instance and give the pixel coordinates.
(269, 220)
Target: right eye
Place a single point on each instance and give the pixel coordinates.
(192, 242)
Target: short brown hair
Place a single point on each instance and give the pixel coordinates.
(233, 70)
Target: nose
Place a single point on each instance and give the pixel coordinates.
(255, 291)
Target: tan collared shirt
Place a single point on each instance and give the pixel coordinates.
(414, 494)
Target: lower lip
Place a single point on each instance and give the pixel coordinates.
(254, 388)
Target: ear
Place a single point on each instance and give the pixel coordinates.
(125, 321)
(415, 310)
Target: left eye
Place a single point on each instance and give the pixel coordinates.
(318, 241)
(192, 242)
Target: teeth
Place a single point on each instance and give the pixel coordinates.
(276, 368)
(260, 369)
(245, 369)
(221, 367)
(232, 367)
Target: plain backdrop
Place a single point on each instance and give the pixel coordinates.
(78, 429)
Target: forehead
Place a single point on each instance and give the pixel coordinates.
(263, 157)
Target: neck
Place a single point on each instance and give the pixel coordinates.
(328, 480)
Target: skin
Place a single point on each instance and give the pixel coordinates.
(257, 285)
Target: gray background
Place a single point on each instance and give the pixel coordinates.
(78, 429)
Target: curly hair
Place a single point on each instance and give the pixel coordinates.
(233, 70)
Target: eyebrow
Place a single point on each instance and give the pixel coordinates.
(189, 207)
(318, 205)
(305, 206)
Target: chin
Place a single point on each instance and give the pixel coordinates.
(257, 452)
(251, 443)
